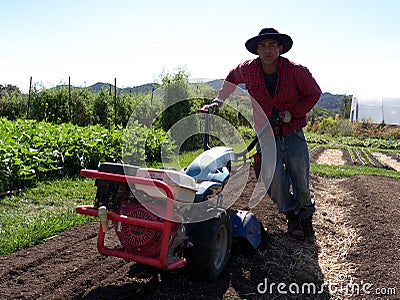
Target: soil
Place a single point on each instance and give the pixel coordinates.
(356, 255)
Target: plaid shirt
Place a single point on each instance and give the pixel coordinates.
(296, 91)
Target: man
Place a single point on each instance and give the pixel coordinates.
(281, 88)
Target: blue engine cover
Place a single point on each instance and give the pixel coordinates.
(211, 165)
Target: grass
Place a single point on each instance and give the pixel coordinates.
(347, 171)
(30, 217)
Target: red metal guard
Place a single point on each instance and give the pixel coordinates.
(164, 226)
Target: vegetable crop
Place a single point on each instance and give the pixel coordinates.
(31, 150)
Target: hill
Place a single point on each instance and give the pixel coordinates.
(330, 101)
(144, 88)
(327, 101)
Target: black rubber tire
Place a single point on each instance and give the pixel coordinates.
(212, 241)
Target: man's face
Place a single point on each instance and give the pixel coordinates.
(269, 50)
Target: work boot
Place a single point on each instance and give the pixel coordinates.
(294, 226)
(309, 232)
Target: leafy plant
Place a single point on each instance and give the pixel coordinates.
(329, 126)
(50, 105)
(101, 108)
(13, 105)
(32, 150)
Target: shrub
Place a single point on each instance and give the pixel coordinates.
(329, 126)
(101, 108)
(81, 107)
(13, 105)
(393, 132)
(345, 127)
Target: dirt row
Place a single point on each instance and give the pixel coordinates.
(339, 157)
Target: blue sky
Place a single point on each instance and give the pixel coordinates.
(349, 46)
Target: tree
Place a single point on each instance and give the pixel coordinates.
(318, 113)
(8, 90)
(176, 106)
(345, 106)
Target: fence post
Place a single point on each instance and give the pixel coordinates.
(115, 101)
(69, 99)
(29, 97)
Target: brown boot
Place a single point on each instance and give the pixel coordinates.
(294, 226)
(309, 232)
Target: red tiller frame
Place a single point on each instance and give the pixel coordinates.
(164, 226)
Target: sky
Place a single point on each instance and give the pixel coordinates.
(350, 46)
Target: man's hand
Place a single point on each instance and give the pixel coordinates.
(216, 103)
(207, 107)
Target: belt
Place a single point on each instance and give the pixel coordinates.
(288, 133)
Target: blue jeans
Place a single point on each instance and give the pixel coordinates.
(289, 187)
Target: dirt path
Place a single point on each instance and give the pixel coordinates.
(341, 157)
(331, 157)
(391, 162)
(357, 242)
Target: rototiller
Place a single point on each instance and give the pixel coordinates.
(147, 209)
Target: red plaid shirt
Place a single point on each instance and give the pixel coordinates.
(296, 91)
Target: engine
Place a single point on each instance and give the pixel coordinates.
(142, 240)
(117, 197)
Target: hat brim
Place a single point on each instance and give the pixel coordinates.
(283, 39)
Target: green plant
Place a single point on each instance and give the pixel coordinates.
(368, 157)
(360, 157)
(101, 108)
(50, 105)
(13, 105)
(329, 126)
(32, 150)
(345, 106)
(347, 171)
(81, 107)
(315, 138)
(176, 106)
(352, 155)
(345, 127)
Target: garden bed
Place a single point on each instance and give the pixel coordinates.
(357, 242)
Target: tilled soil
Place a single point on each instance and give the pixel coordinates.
(356, 256)
(387, 160)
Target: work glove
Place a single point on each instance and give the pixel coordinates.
(216, 103)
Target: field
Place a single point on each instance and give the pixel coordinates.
(356, 255)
